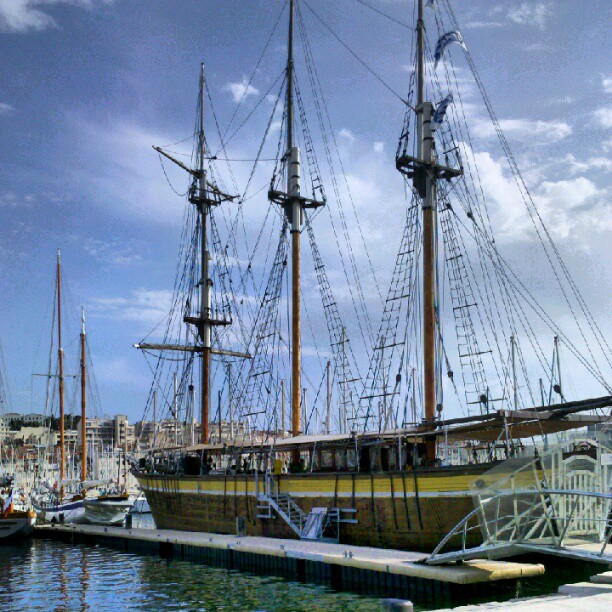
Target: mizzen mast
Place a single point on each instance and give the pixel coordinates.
(424, 171)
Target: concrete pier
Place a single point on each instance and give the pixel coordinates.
(375, 571)
(581, 596)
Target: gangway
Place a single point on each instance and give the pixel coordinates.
(528, 505)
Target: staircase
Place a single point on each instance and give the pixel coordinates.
(285, 507)
(306, 526)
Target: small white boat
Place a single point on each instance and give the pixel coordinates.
(16, 525)
(15, 522)
(71, 511)
(108, 509)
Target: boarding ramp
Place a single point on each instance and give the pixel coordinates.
(312, 526)
(558, 502)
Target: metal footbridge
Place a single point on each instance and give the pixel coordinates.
(556, 503)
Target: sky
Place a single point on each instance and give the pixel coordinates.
(88, 86)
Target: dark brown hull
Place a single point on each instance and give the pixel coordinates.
(400, 510)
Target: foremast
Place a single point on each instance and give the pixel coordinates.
(293, 204)
(204, 196)
(425, 171)
(204, 200)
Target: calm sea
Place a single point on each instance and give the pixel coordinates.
(50, 575)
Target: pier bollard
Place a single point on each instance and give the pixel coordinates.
(397, 604)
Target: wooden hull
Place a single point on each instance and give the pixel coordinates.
(401, 510)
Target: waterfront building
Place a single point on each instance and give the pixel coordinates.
(108, 432)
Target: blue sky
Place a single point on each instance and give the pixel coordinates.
(87, 86)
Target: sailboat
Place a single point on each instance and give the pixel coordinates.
(15, 522)
(57, 506)
(380, 480)
(110, 507)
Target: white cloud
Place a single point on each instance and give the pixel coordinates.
(143, 305)
(563, 100)
(483, 24)
(575, 207)
(531, 13)
(5, 108)
(604, 116)
(594, 163)
(549, 131)
(110, 252)
(242, 89)
(11, 200)
(24, 15)
(379, 147)
(527, 13)
(347, 135)
(606, 84)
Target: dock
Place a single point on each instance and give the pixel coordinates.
(374, 571)
(590, 596)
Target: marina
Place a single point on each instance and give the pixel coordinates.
(347, 338)
(336, 565)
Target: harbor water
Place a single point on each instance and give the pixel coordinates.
(48, 575)
(41, 574)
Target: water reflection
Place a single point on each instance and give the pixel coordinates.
(46, 575)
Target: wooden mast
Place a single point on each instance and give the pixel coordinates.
(424, 170)
(204, 196)
(60, 356)
(295, 214)
(83, 399)
(424, 113)
(205, 282)
(293, 204)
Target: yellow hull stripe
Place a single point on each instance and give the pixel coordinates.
(379, 486)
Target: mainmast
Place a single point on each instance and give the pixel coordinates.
(293, 204)
(60, 357)
(424, 171)
(83, 398)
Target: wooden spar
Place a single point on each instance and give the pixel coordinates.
(60, 356)
(204, 196)
(293, 204)
(429, 248)
(296, 357)
(189, 349)
(424, 170)
(204, 326)
(83, 400)
(293, 191)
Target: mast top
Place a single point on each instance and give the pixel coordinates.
(83, 320)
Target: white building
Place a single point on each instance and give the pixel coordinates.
(108, 433)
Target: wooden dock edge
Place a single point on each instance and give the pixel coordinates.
(358, 569)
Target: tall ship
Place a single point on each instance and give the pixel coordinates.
(372, 459)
